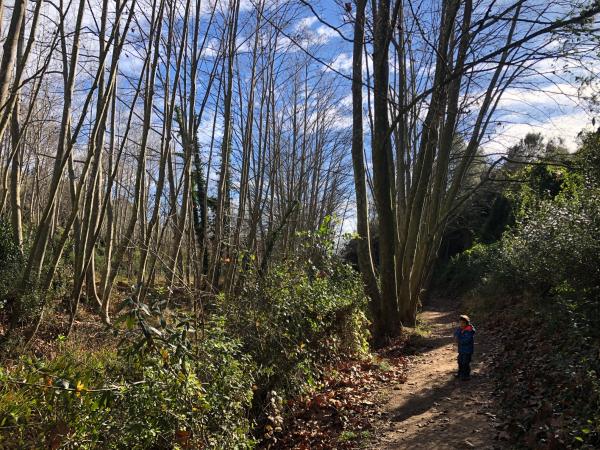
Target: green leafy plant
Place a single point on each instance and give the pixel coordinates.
(165, 387)
(11, 259)
(305, 312)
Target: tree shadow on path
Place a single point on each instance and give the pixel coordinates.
(423, 402)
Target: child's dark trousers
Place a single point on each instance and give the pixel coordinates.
(464, 365)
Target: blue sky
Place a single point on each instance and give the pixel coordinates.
(550, 102)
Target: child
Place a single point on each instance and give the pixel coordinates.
(464, 335)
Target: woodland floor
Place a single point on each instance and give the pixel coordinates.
(433, 409)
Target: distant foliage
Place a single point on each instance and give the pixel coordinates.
(468, 270)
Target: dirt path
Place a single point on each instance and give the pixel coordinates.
(434, 410)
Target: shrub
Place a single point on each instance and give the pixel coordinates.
(305, 312)
(558, 242)
(11, 261)
(178, 380)
(164, 388)
(551, 251)
(466, 270)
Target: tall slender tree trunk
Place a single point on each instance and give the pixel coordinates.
(365, 258)
(382, 168)
(17, 150)
(150, 79)
(9, 56)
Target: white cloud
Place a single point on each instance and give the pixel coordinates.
(343, 122)
(551, 96)
(565, 127)
(346, 102)
(325, 33)
(342, 62)
(313, 36)
(305, 23)
(207, 6)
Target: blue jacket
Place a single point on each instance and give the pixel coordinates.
(465, 337)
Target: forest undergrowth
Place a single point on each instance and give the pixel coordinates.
(226, 375)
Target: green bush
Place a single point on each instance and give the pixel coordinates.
(552, 250)
(11, 261)
(304, 313)
(558, 243)
(164, 388)
(178, 380)
(466, 270)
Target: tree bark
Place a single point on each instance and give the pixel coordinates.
(365, 258)
(382, 164)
